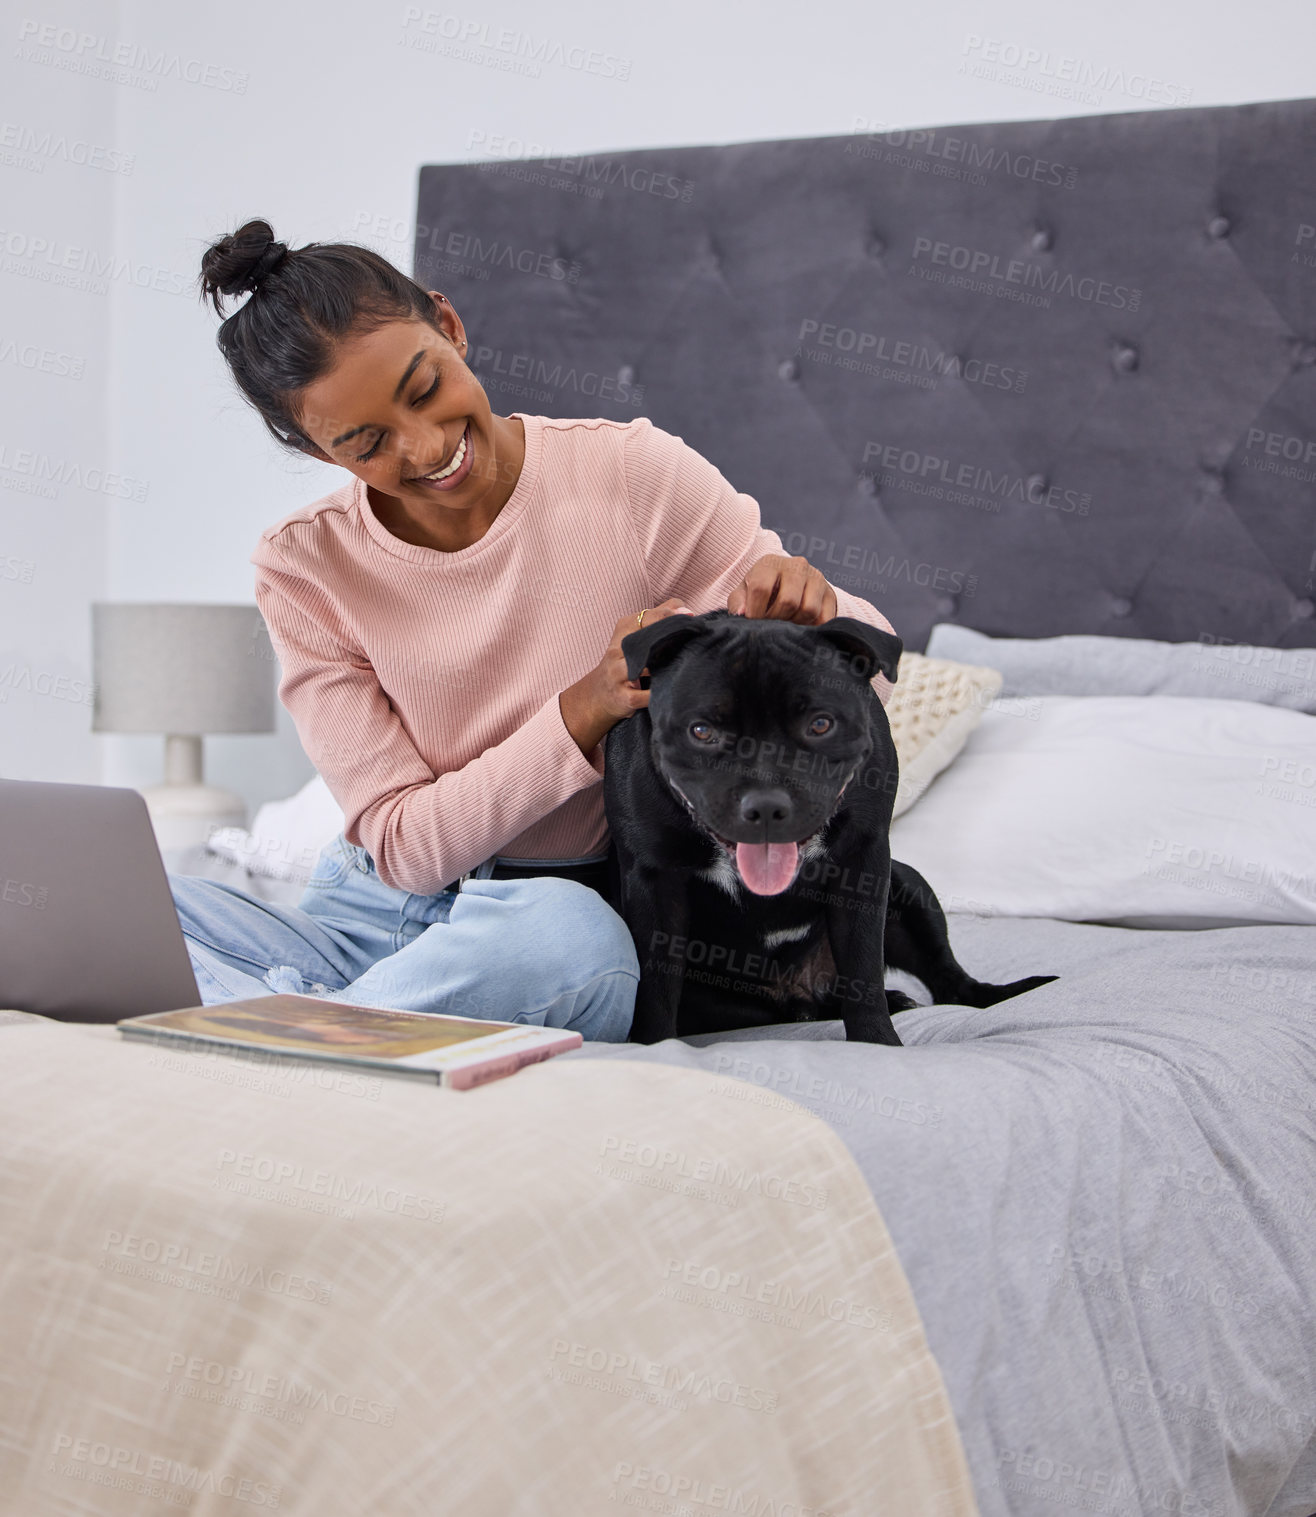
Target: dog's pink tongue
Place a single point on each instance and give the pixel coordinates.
(766, 868)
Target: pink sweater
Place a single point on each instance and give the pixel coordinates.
(424, 685)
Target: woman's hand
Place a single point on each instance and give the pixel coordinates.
(784, 589)
(595, 704)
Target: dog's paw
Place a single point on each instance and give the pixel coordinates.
(871, 1028)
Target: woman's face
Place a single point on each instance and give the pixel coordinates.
(399, 406)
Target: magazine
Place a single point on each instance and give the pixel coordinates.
(456, 1051)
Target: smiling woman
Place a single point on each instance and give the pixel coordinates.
(448, 625)
(412, 458)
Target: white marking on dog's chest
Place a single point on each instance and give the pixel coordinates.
(723, 872)
(813, 848)
(785, 935)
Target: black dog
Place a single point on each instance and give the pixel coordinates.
(749, 806)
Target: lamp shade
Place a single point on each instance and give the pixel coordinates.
(187, 668)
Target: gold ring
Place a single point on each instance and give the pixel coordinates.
(639, 620)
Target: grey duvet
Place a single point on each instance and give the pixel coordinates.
(1104, 1197)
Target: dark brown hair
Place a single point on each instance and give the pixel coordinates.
(302, 303)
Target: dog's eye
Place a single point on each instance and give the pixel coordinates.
(816, 731)
(701, 731)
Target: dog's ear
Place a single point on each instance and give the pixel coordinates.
(867, 649)
(655, 644)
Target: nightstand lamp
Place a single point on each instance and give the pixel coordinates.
(183, 671)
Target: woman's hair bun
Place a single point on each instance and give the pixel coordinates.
(239, 262)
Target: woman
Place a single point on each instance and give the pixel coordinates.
(439, 621)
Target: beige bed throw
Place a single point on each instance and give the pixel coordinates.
(230, 1286)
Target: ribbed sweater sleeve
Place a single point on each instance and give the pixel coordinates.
(699, 536)
(423, 829)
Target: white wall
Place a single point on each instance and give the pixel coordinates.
(318, 118)
(57, 279)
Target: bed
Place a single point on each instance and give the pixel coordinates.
(1056, 1253)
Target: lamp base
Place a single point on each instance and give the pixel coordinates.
(184, 816)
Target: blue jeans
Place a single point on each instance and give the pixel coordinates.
(547, 951)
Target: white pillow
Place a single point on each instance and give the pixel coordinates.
(286, 837)
(1093, 664)
(1140, 811)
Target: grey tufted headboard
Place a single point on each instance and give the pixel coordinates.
(1035, 377)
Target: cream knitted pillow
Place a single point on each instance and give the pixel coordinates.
(934, 707)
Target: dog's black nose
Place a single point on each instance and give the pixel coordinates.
(766, 806)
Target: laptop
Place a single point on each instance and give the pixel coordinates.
(88, 927)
